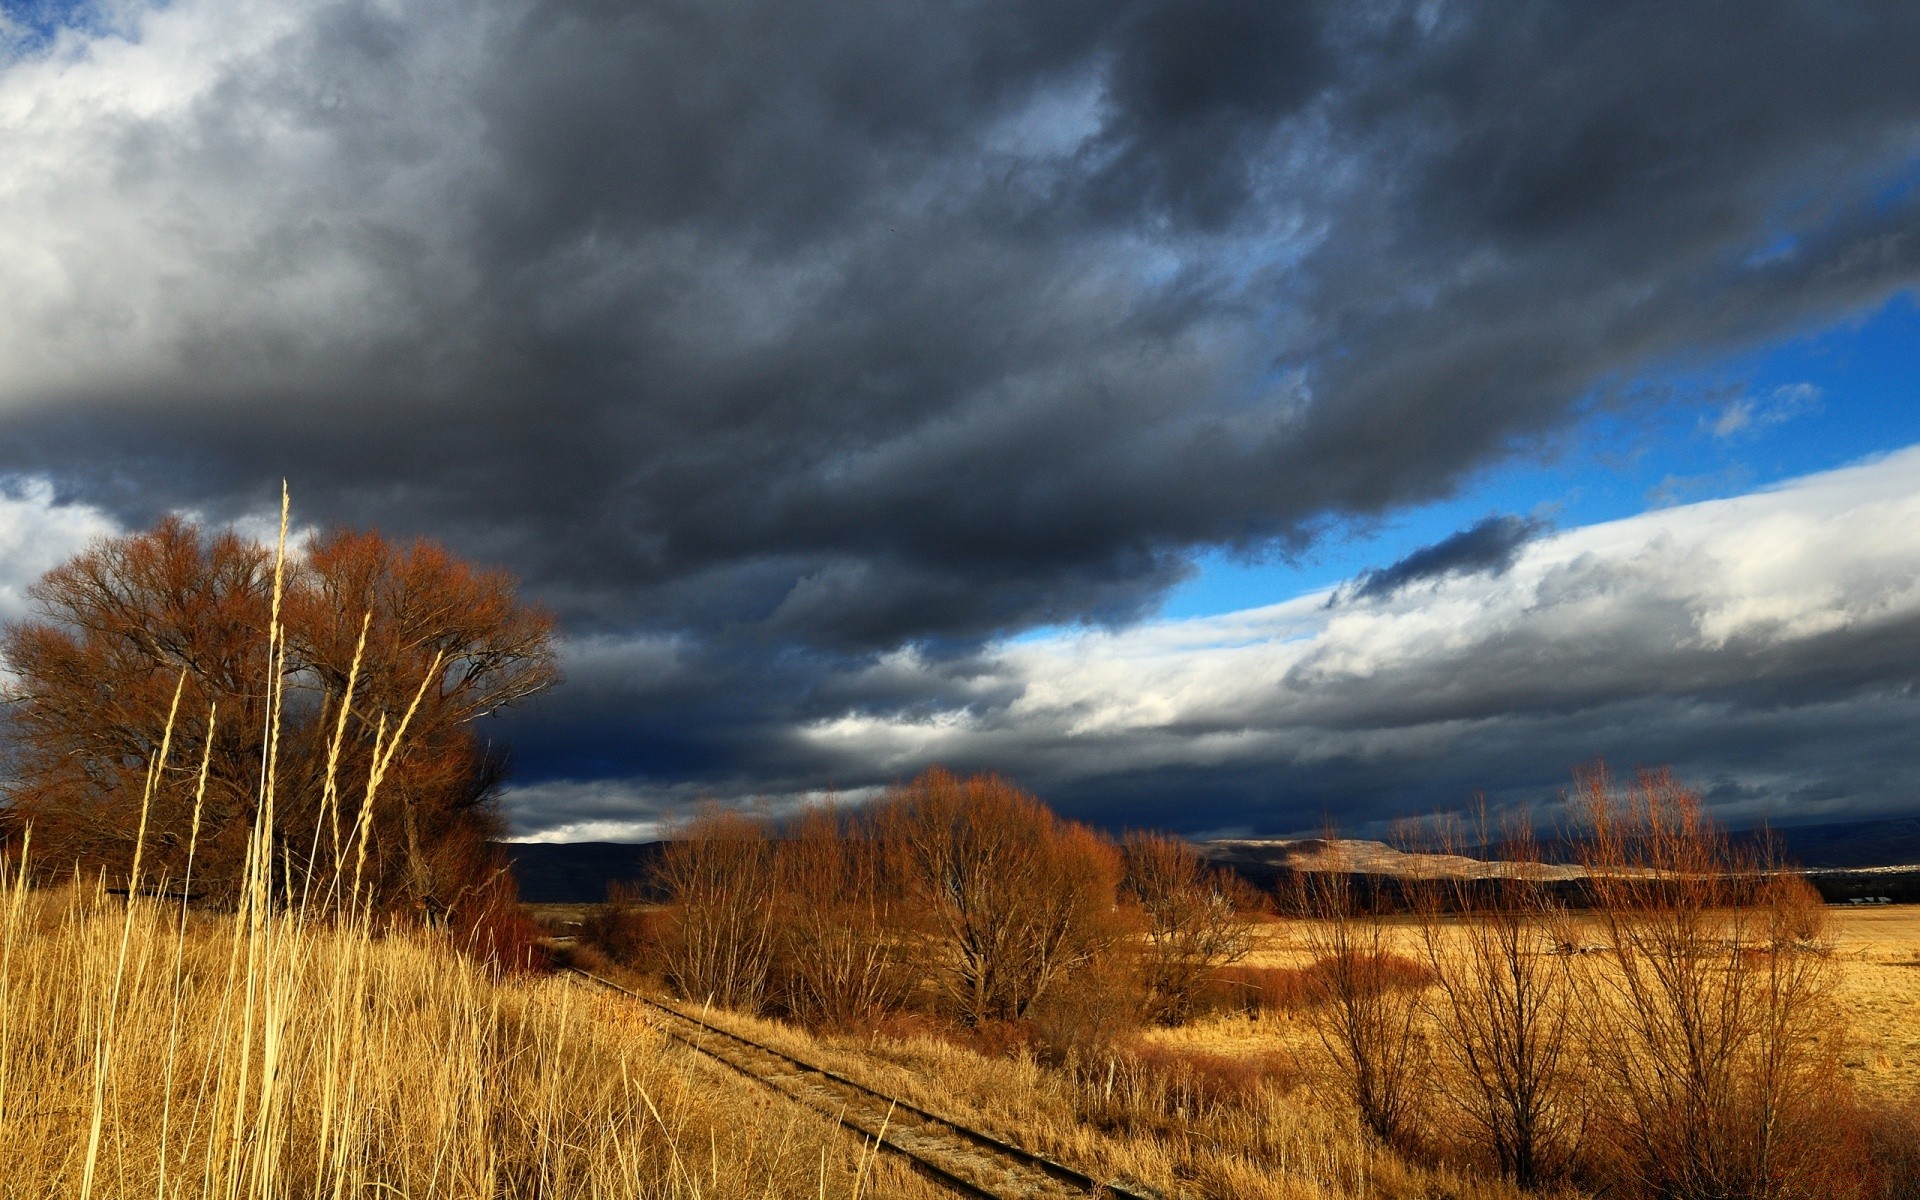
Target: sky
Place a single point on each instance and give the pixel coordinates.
(1217, 416)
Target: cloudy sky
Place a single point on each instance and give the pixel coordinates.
(1215, 414)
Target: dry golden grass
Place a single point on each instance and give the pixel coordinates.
(1879, 990)
(1876, 952)
(320, 1061)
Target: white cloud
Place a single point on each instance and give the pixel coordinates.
(206, 172)
(1696, 601)
(36, 533)
(1750, 414)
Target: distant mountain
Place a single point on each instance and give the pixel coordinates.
(576, 872)
(1888, 842)
(1261, 857)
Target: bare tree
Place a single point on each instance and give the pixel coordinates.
(1364, 1011)
(1198, 918)
(1503, 1002)
(718, 873)
(1011, 897)
(1716, 1013)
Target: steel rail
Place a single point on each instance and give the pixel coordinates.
(887, 1135)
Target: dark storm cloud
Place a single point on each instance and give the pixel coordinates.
(797, 333)
(1489, 545)
(1767, 647)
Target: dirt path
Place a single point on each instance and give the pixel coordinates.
(967, 1161)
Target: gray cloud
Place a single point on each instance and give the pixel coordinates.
(1490, 545)
(793, 335)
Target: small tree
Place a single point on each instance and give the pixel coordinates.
(1198, 918)
(1363, 1011)
(1503, 1003)
(1011, 897)
(840, 960)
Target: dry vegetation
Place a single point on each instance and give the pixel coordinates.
(1692, 1028)
(146, 1056)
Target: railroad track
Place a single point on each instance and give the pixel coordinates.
(966, 1161)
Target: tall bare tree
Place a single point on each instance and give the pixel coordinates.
(1717, 1021)
(1364, 1016)
(842, 960)
(1503, 1002)
(718, 872)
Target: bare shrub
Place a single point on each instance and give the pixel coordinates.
(1197, 919)
(1254, 991)
(839, 958)
(1364, 1010)
(486, 922)
(1011, 898)
(718, 874)
(622, 928)
(1717, 1022)
(1502, 1006)
(1888, 1136)
(1094, 1007)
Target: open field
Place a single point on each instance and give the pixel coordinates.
(1876, 952)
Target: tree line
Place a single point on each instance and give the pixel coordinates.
(964, 897)
(1665, 1029)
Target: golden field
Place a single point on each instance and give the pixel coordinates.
(145, 1056)
(1875, 951)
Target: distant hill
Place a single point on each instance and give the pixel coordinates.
(576, 872)
(579, 872)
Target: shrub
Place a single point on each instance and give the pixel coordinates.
(487, 922)
(1082, 1018)
(1716, 1012)
(1503, 1008)
(623, 929)
(1197, 919)
(838, 959)
(1364, 1003)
